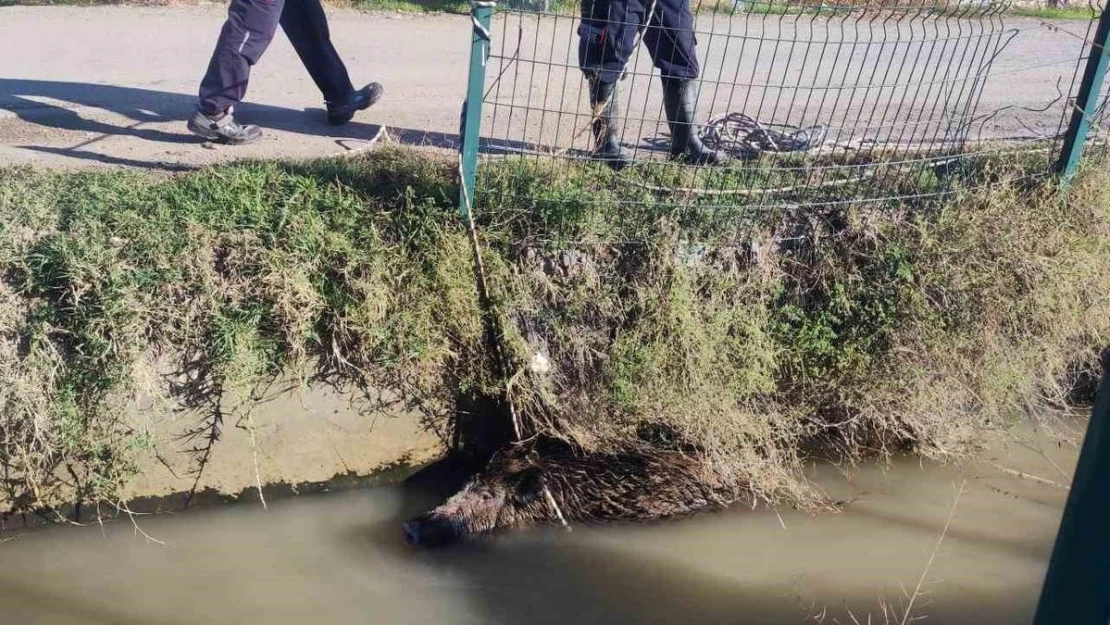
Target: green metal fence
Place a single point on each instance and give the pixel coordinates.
(1086, 109)
(820, 105)
(816, 104)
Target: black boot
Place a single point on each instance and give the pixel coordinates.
(607, 145)
(678, 102)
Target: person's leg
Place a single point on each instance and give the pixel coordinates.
(306, 25)
(673, 46)
(606, 35)
(671, 40)
(246, 34)
(605, 123)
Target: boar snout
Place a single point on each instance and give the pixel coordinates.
(432, 530)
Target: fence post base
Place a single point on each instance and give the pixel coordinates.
(1086, 100)
(469, 133)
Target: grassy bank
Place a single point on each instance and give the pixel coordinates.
(872, 329)
(1081, 11)
(869, 329)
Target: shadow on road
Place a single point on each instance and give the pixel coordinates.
(57, 104)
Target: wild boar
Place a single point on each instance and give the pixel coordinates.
(532, 484)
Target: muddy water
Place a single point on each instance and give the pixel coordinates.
(339, 558)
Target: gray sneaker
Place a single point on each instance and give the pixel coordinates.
(223, 130)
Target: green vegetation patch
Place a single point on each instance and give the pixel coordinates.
(743, 335)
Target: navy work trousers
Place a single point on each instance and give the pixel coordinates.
(246, 34)
(608, 31)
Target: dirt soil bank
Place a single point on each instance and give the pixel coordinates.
(303, 435)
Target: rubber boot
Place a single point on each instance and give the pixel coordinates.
(607, 146)
(678, 102)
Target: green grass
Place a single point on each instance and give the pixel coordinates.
(410, 6)
(1083, 12)
(744, 335)
(241, 272)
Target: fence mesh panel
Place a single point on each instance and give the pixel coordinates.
(1081, 34)
(815, 104)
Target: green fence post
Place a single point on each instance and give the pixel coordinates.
(1086, 101)
(1077, 586)
(480, 14)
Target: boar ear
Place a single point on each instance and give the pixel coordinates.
(529, 485)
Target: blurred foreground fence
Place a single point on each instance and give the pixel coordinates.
(1078, 574)
(816, 104)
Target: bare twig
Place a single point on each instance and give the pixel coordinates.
(367, 144)
(122, 507)
(1040, 452)
(907, 616)
(209, 432)
(1029, 476)
(254, 456)
(781, 521)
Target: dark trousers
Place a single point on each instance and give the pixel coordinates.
(608, 31)
(246, 34)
